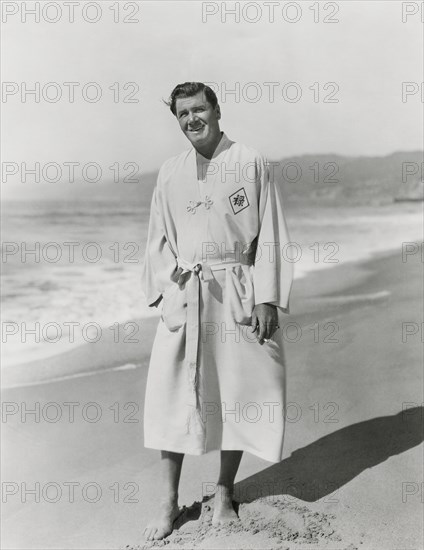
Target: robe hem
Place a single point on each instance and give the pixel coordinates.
(284, 309)
(200, 452)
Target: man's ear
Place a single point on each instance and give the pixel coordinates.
(218, 112)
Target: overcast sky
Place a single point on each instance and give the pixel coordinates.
(368, 54)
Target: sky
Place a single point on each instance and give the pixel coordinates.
(359, 61)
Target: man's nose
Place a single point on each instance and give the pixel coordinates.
(192, 118)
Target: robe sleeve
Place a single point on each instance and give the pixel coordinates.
(273, 270)
(159, 260)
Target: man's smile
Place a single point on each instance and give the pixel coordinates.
(196, 129)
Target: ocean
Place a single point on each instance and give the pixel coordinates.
(71, 261)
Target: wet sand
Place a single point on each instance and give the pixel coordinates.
(353, 463)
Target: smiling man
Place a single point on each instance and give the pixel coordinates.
(216, 259)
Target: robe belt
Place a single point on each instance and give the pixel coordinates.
(204, 271)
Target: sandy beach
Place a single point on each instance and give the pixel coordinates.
(113, 156)
(76, 474)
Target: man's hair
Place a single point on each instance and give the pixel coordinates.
(190, 89)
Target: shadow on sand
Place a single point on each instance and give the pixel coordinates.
(319, 469)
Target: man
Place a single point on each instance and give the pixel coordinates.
(215, 256)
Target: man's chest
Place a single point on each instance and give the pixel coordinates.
(227, 189)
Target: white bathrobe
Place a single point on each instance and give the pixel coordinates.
(211, 385)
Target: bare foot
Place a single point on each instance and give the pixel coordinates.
(223, 506)
(162, 525)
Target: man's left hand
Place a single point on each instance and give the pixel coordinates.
(264, 321)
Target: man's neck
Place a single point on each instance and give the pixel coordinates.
(210, 149)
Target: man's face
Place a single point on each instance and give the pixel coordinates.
(198, 119)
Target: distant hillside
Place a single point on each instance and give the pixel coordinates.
(334, 179)
(322, 180)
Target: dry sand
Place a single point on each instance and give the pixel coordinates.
(352, 457)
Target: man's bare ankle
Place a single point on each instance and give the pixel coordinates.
(169, 498)
(225, 491)
(225, 486)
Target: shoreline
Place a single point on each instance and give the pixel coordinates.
(358, 235)
(89, 359)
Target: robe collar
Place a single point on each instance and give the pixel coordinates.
(222, 146)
